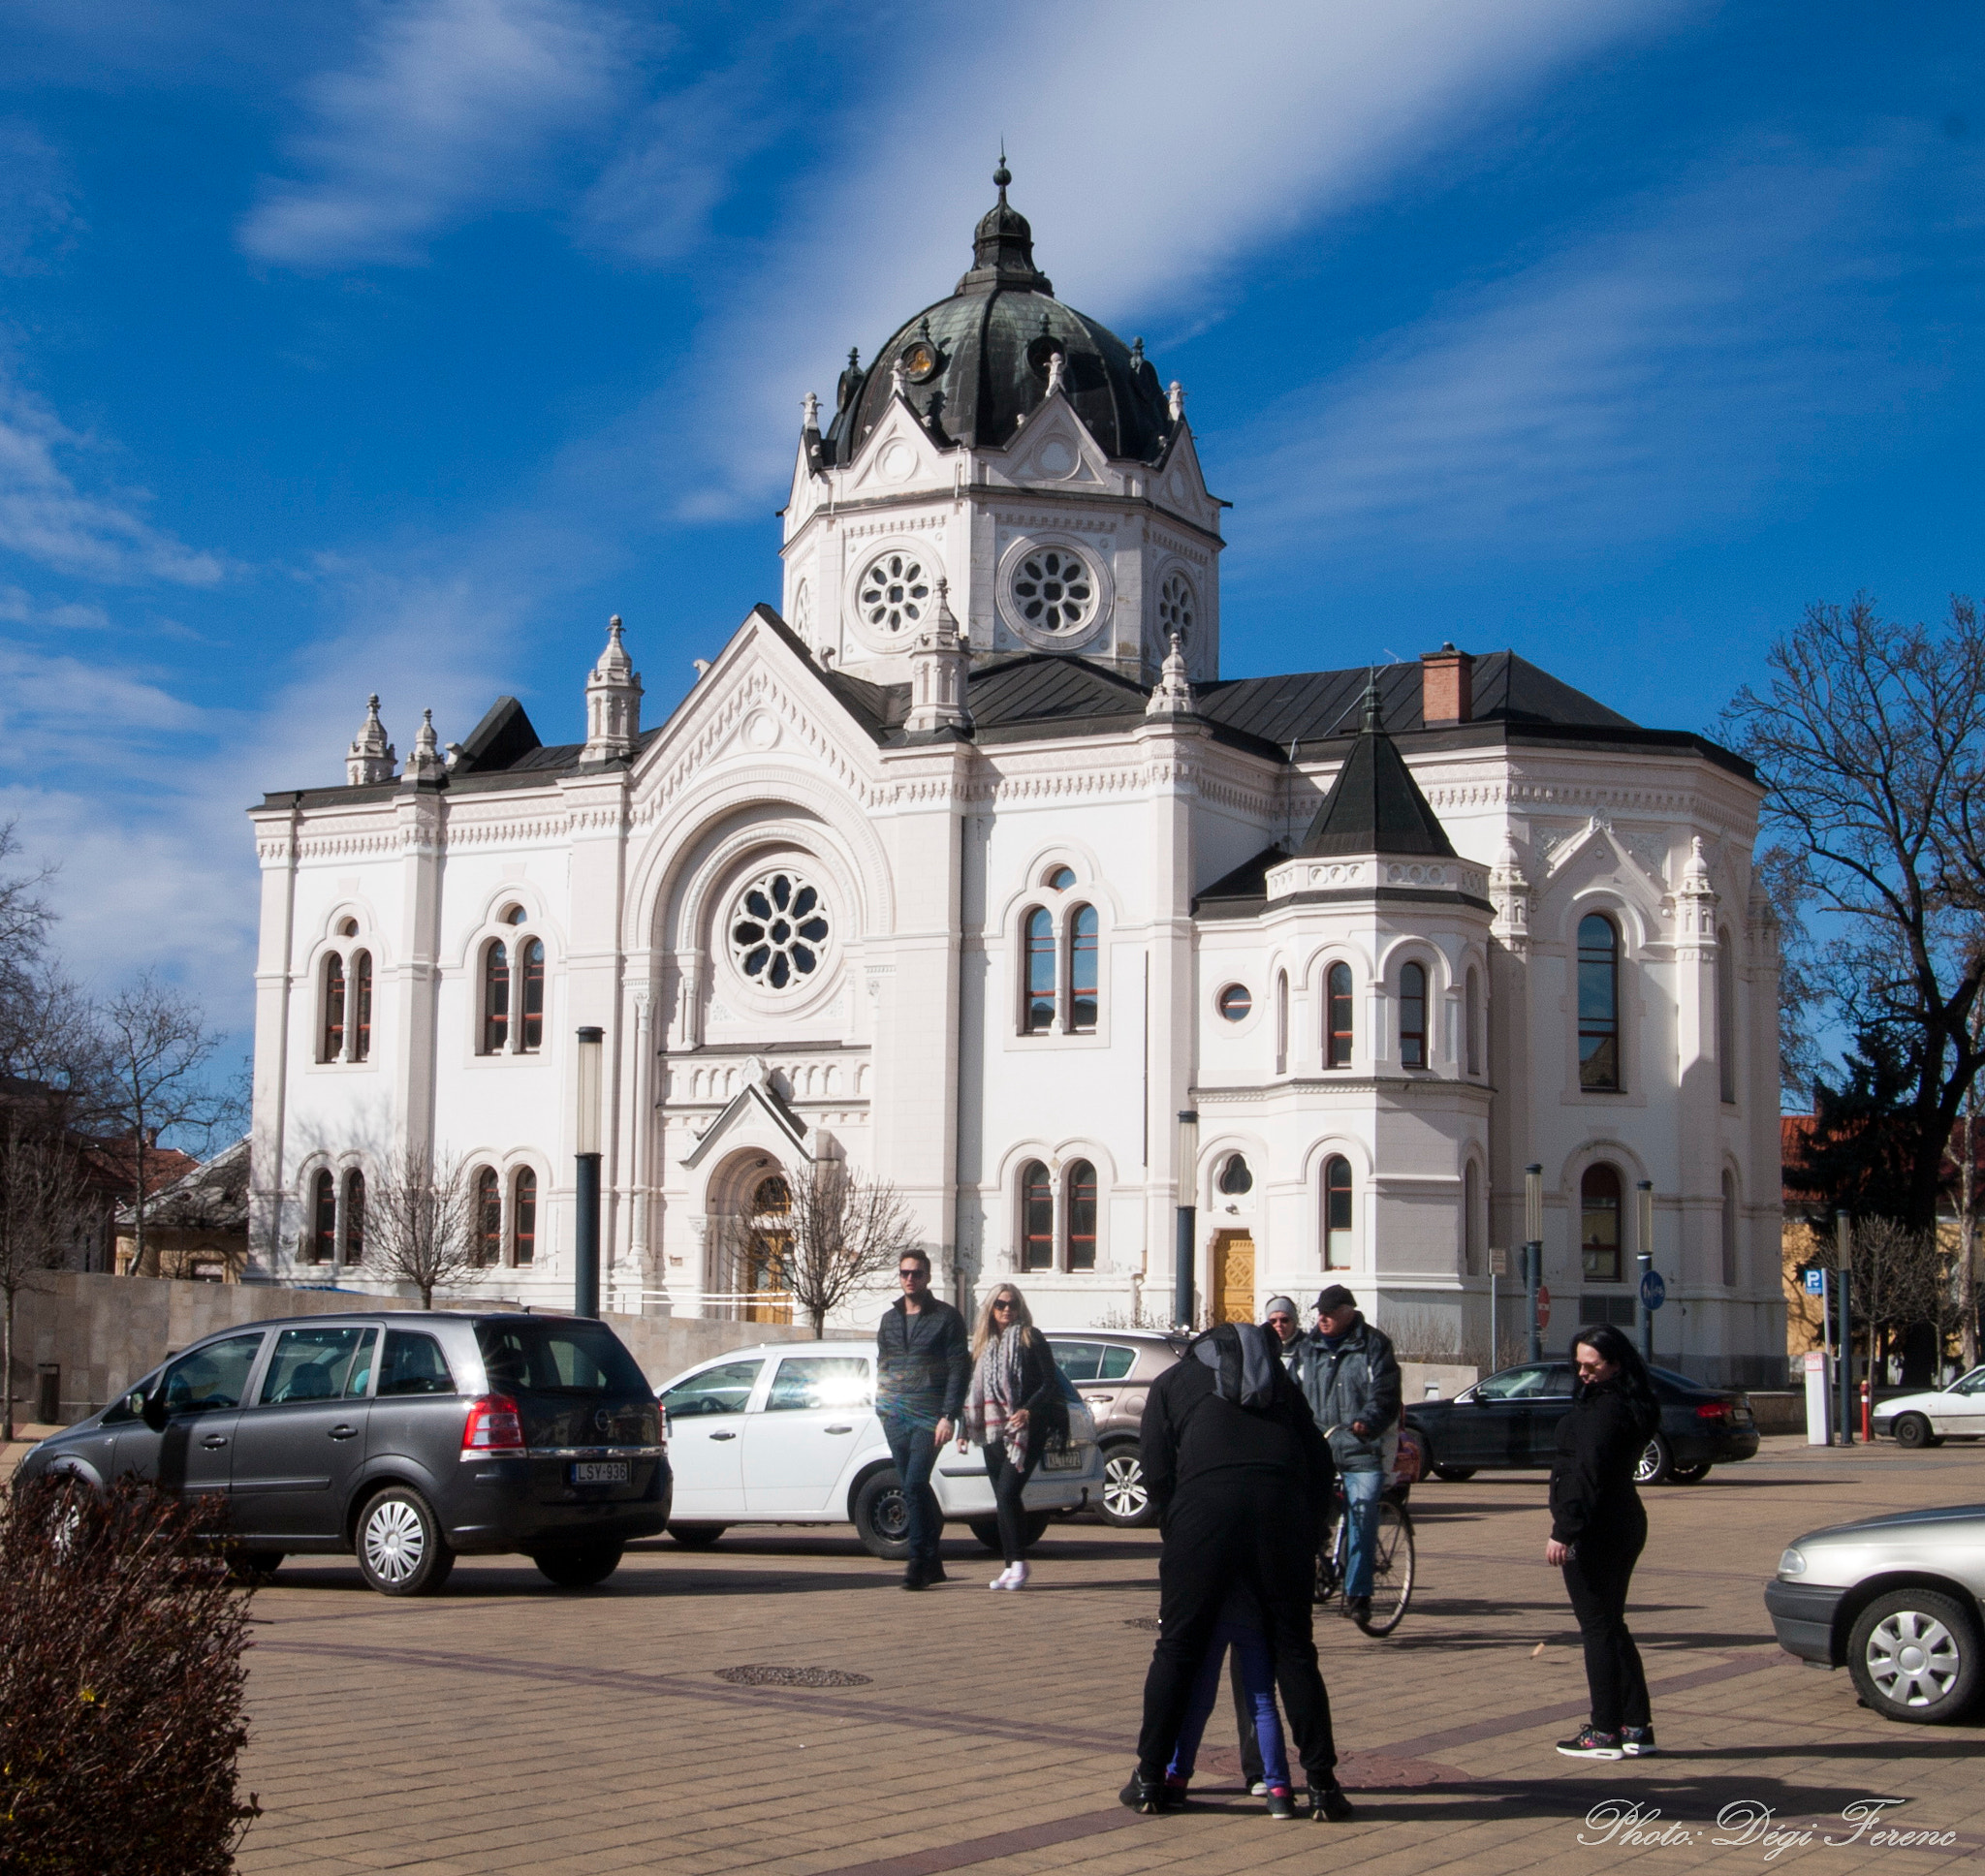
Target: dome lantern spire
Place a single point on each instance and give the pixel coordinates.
(1003, 247)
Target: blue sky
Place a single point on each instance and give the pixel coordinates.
(394, 346)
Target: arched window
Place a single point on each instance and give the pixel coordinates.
(532, 1014)
(323, 1219)
(523, 1218)
(1337, 1022)
(1337, 1213)
(1036, 1218)
(362, 1005)
(1281, 1022)
(1726, 1019)
(1081, 970)
(355, 1215)
(1471, 1018)
(1731, 1230)
(1236, 1177)
(1471, 1219)
(1598, 1224)
(1082, 1216)
(489, 1221)
(495, 998)
(1412, 1016)
(1040, 972)
(331, 1046)
(1599, 1003)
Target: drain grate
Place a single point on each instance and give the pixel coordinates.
(759, 1676)
(1149, 1622)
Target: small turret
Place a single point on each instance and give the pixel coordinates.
(937, 674)
(613, 703)
(369, 760)
(424, 765)
(1173, 694)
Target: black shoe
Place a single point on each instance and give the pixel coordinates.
(1279, 1803)
(914, 1576)
(1638, 1741)
(1589, 1743)
(1329, 1801)
(1150, 1796)
(1358, 1608)
(934, 1572)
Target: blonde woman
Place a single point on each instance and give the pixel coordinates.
(1013, 1408)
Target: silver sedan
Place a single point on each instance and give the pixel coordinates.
(1895, 1601)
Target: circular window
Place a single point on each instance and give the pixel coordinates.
(1054, 589)
(1178, 612)
(1236, 1178)
(894, 592)
(778, 932)
(1234, 1003)
(1062, 879)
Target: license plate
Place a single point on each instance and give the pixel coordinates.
(1070, 1461)
(599, 1472)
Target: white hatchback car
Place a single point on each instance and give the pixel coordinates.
(1955, 1412)
(786, 1433)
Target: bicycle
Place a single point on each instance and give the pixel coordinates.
(1392, 1559)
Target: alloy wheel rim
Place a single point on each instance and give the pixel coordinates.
(396, 1541)
(1912, 1658)
(1123, 1489)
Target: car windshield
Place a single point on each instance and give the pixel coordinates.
(557, 1357)
(1969, 1384)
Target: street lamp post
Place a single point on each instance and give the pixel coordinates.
(1189, 1214)
(1533, 1251)
(1643, 1195)
(585, 1228)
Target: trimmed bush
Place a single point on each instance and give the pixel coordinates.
(121, 1684)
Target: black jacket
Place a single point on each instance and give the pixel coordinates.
(1040, 1393)
(1190, 1436)
(1600, 1442)
(922, 1362)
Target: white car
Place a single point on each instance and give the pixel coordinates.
(1955, 1412)
(786, 1433)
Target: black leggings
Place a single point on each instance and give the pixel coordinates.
(1596, 1579)
(1008, 1480)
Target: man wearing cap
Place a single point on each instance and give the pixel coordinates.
(1350, 1377)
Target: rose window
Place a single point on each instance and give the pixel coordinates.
(1054, 589)
(1175, 606)
(894, 592)
(778, 932)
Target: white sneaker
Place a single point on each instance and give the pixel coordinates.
(1017, 1577)
(1259, 1789)
(1004, 1580)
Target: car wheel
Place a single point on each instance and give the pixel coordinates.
(696, 1537)
(1126, 1498)
(1655, 1462)
(1690, 1474)
(254, 1568)
(401, 1548)
(881, 1513)
(1913, 1430)
(579, 1566)
(1031, 1528)
(1454, 1475)
(1914, 1655)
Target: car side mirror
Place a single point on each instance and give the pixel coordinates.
(151, 1409)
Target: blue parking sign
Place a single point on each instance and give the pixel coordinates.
(1815, 1283)
(1653, 1291)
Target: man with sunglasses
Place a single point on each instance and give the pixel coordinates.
(923, 1363)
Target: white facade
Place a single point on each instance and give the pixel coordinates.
(931, 822)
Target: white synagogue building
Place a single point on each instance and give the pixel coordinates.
(967, 866)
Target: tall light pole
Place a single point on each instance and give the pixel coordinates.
(586, 1224)
(1644, 1197)
(1533, 1251)
(1188, 1215)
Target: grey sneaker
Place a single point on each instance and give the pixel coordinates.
(1638, 1741)
(1280, 1805)
(1589, 1743)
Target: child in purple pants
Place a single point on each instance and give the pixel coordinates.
(1242, 1628)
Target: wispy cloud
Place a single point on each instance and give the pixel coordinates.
(453, 105)
(37, 197)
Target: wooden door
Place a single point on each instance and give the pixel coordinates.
(1234, 1278)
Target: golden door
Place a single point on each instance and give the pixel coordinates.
(1234, 1287)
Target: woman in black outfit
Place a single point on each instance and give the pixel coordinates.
(1015, 1407)
(1599, 1528)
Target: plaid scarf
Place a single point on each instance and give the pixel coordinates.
(995, 1394)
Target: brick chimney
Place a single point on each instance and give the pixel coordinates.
(1447, 687)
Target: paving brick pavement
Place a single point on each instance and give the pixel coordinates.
(506, 1725)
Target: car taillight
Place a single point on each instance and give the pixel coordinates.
(493, 1426)
(1714, 1410)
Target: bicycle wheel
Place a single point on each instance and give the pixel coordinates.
(1392, 1574)
(1330, 1573)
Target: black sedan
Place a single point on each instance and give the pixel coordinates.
(1509, 1420)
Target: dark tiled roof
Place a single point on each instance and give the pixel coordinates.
(1375, 805)
(1242, 891)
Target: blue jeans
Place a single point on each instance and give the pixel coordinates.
(913, 1445)
(1258, 1680)
(1362, 1492)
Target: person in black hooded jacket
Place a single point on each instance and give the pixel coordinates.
(1241, 1478)
(1599, 1528)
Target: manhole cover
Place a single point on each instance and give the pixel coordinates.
(1149, 1622)
(763, 1676)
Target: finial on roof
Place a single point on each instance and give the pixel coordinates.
(1177, 400)
(1002, 176)
(1375, 715)
(938, 674)
(1137, 350)
(810, 410)
(369, 760)
(612, 701)
(1172, 694)
(424, 765)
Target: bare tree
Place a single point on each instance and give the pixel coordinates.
(156, 1050)
(420, 1220)
(41, 1179)
(1872, 737)
(836, 1234)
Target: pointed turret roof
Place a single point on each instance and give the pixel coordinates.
(1375, 807)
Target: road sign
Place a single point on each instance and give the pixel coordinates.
(1498, 1262)
(1815, 1283)
(1653, 1291)
(1543, 1307)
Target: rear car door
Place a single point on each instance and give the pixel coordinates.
(818, 1412)
(1548, 1407)
(202, 1392)
(417, 1409)
(1491, 1425)
(301, 1447)
(706, 1413)
(1961, 1407)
